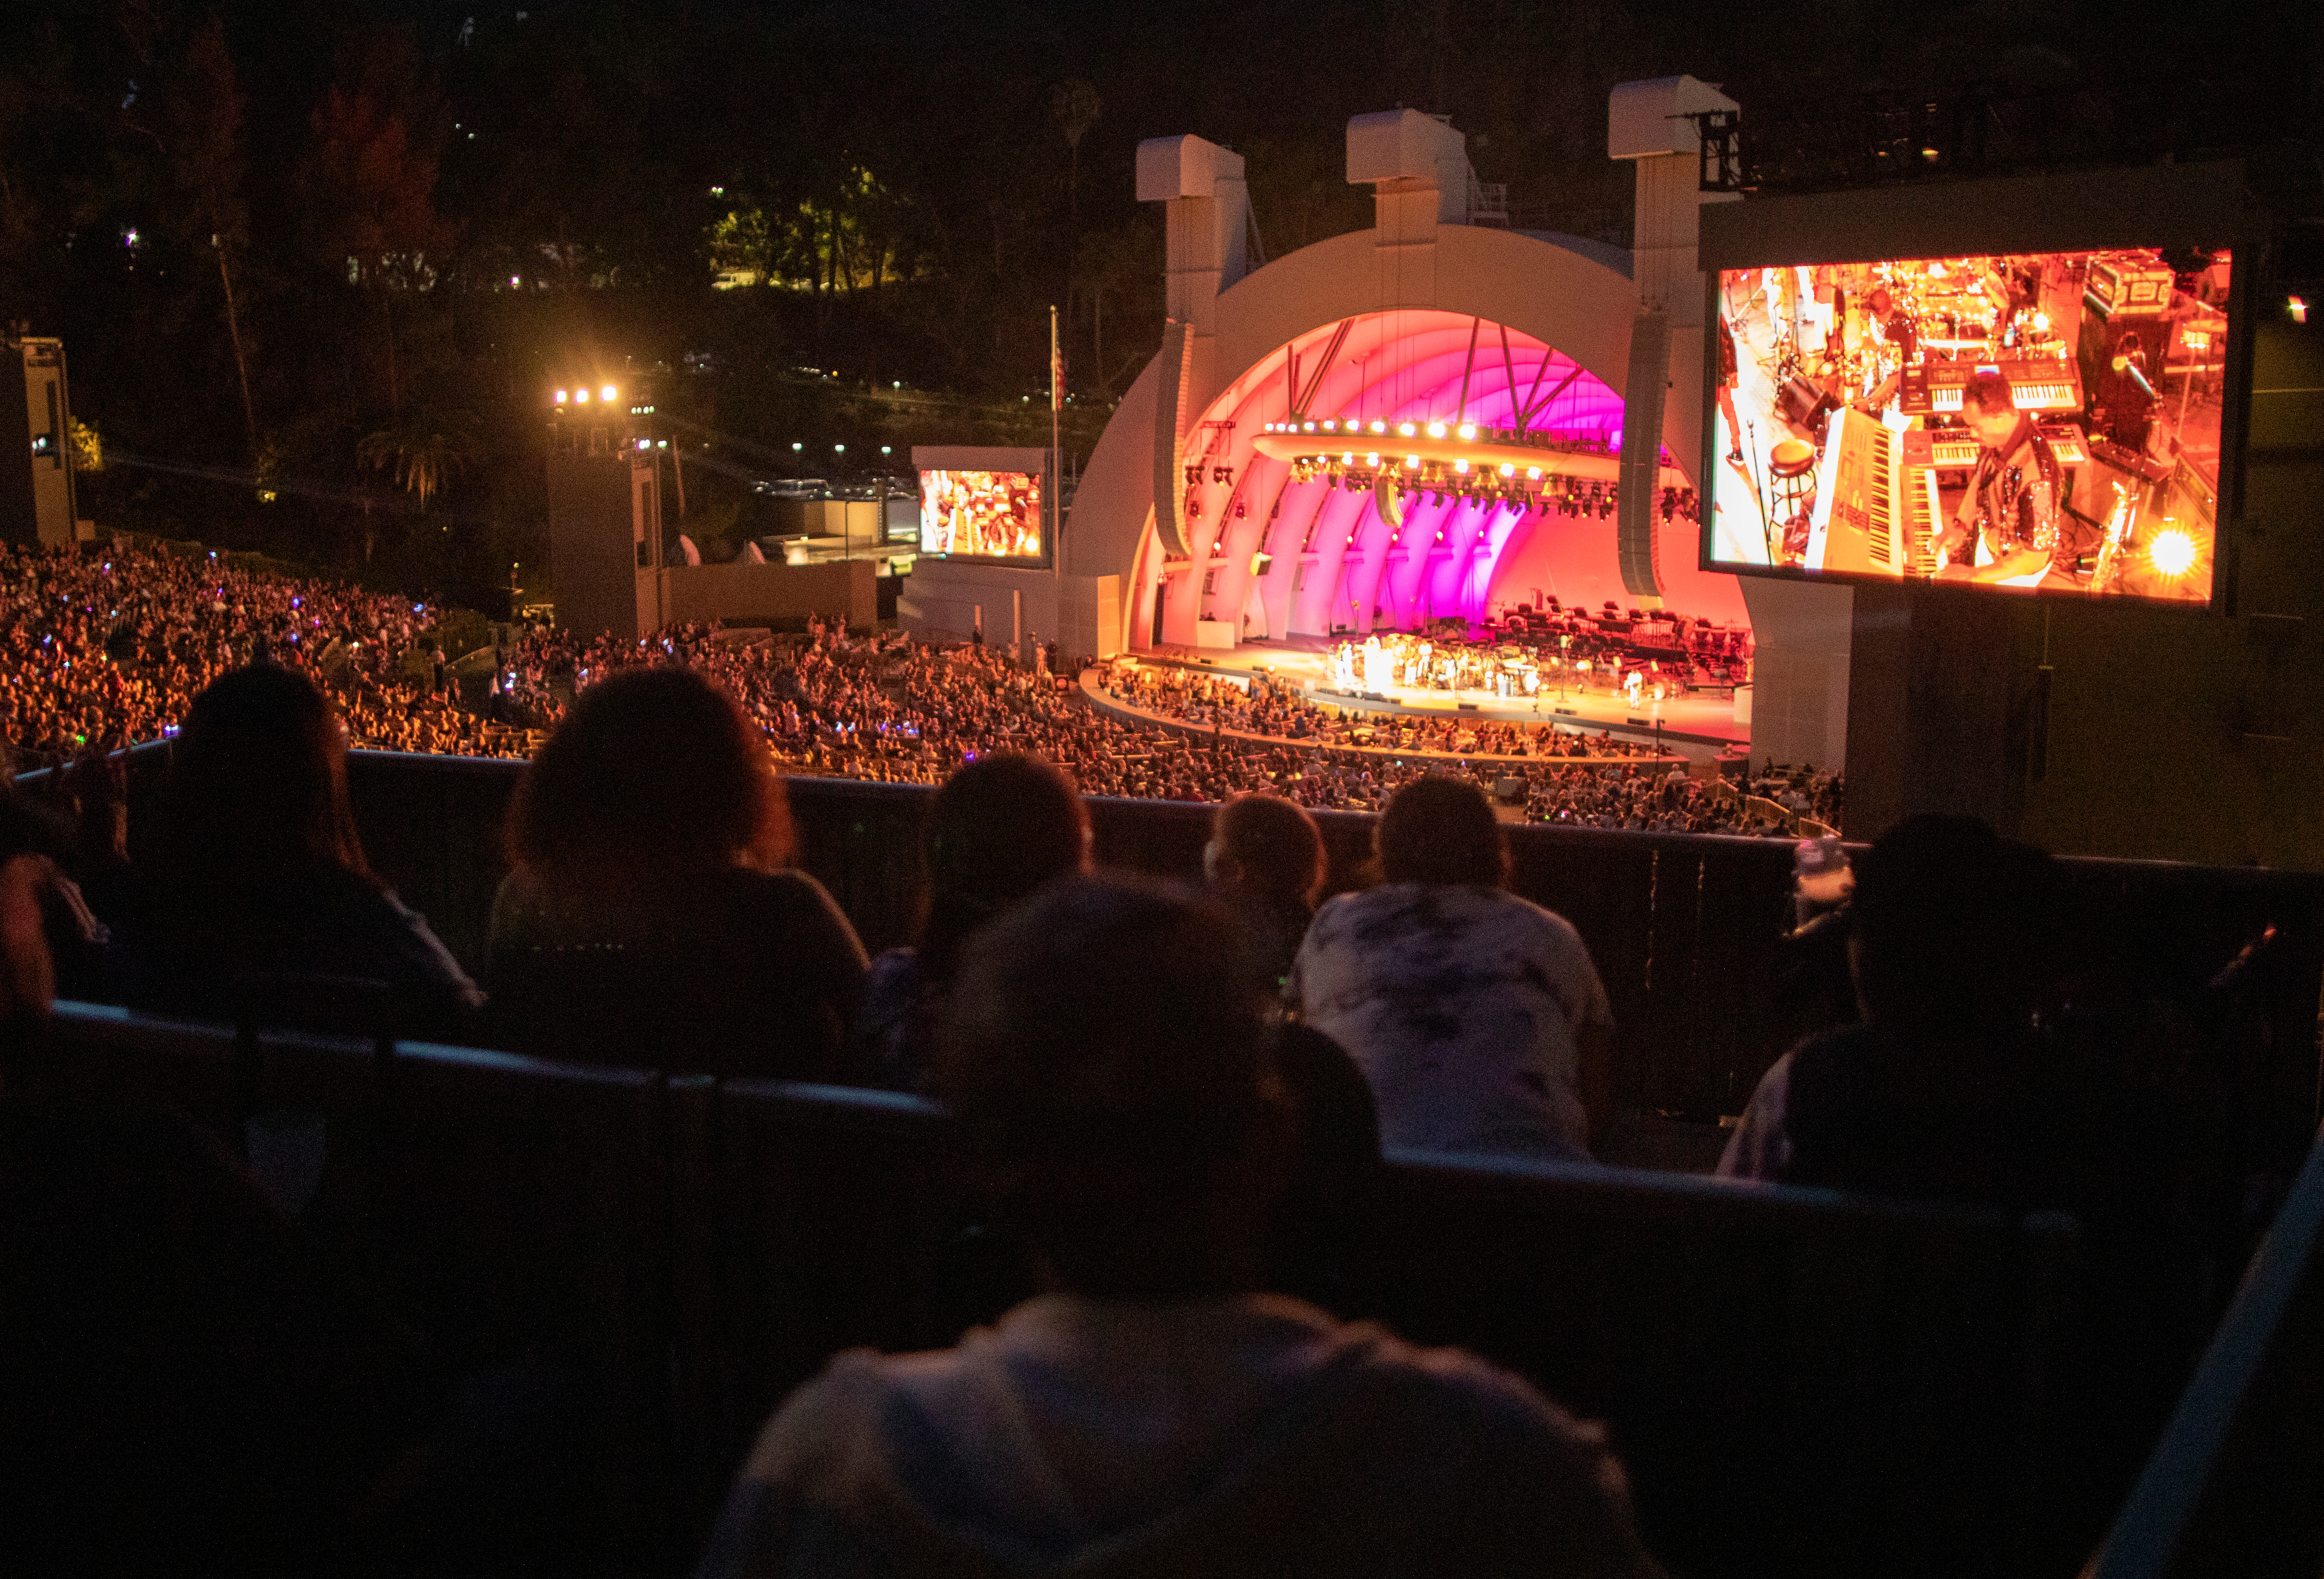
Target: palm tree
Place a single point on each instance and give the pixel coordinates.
(426, 453)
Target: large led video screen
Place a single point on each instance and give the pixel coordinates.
(2036, 422)
(980, 515)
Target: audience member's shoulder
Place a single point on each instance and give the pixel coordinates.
(737, 901)
(829, 1430)
(1507, 915)
(1462, 1396)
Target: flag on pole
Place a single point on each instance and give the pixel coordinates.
(1057, 368)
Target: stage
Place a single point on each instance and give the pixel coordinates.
(1699, 724)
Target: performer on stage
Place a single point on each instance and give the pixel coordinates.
(2013, 507)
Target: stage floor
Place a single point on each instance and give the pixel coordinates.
(1699, 724)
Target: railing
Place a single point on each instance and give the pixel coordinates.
(1687, 929)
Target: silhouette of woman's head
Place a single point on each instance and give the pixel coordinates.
(258, 778)
(999, 828)
(1441, 829)
(655, 774)
(1266, 848)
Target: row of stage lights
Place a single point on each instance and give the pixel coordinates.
(580, 397)
(1466, 432)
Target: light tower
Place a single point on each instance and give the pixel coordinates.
(604, 505)
(36, 482)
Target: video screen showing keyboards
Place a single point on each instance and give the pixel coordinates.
(2041, 422)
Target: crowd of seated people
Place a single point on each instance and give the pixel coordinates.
(1145, 1077)
(102, 649)
(892, 710)
(1264, 706)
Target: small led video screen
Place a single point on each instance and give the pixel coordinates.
(981, 515)
(2042, 422)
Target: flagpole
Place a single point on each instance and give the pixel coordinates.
(1056, 454)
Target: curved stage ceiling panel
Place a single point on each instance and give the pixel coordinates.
(1278, 556)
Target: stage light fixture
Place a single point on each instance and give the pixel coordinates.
(1436, 429)
(580, 397)
(2299, 305)
(606, 393)
(2172, 552)
(1468, 430)
(1407, 429)
(1378, 426)
(560, 397)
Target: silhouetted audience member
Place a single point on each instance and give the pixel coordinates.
(1477, 1016)
(1265, 862)
(259, 877)
(93, 790)
(1267, 859)
(28, 973)
(999, 828)
(37, 845)
(1108, 1061)
(652, 917)
(1944, 1090)
(1812, 989)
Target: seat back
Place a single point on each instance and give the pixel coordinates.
(529, 1208)
(1798, 1381)
(217, 1076)
(837, 1215)
(515, 1213)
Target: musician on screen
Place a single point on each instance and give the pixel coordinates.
(2015, 508)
